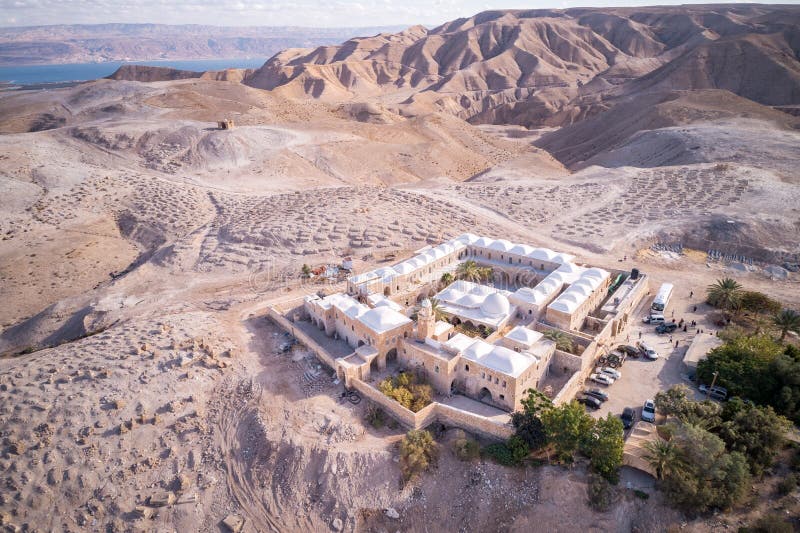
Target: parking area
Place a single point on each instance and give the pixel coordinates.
(642, 378)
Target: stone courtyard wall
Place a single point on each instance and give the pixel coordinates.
(435, 412)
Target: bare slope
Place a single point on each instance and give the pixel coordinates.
(538, 67)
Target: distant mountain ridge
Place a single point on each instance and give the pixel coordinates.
(138, 42)
(554, 67)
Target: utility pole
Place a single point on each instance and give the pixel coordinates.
(713, 381)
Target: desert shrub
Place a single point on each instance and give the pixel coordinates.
(417, 453)
(500, 453)
(601, 493)
(519, 448)
(642, 495)
(376, 417)
(769, 523)
(787, 484)
(408, 389)
(466, 449)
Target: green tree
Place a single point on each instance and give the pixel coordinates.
(566, 427)
(417, 452)
(673, 400)
(662, 456)
(604, 447)
(446, 279)
(708, 476)
(562, 340)
(470, 271)
(786, 321)
(743, 366)
(519, 448)
(530, 429)
(759, 303)
(757, 432)
(725, 294)
(306, 270)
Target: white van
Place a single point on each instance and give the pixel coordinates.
(654, 319)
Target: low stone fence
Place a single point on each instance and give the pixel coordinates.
(570, 389)
(321, 353)
(435, 412)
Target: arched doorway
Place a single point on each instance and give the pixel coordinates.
(485, 395)
(387, 291)
(373, 365)
(456, 387)
(391, 356)
(360, 344)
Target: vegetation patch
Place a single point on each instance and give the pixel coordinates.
(409, 389)
(418, 452)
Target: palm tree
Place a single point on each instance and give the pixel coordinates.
(562, 340)
(446, 279)
(469, 271)
(787, 320)
(662, 456)
(726, 294)
(436, 307)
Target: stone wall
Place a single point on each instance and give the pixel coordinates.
(561, 360)
(321, 353)
(435, 412)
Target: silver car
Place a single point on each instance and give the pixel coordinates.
(649, 411)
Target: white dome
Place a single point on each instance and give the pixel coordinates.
(495, 305)
(469, 300)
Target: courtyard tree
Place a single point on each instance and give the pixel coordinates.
(567, 426)
(787, 320)
(725, 294)
(446, 279)
(662, 455)
(470, 271)
(305, 271)
(417, 452)
(604, 447)
(562, 340)
(672, 401)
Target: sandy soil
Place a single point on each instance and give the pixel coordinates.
(139, 247)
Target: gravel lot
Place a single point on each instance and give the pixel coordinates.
(642, 378)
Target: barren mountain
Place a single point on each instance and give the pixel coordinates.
(553, 67)
(132, 42)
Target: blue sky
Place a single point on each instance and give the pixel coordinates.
(324, 13)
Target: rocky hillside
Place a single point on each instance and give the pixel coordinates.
(553, 67)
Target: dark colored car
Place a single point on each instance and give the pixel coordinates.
(632, 351)
(596, 393)
(628, 417)
(590, 401)
(666, 328)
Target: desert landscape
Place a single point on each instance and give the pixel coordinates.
(142, 386)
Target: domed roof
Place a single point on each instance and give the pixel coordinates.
(469, 300)
(383, 319)
(495, 305)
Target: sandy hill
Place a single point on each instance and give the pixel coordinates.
(543, 67)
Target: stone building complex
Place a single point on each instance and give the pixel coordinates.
(484, 340)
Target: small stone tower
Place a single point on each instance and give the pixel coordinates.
(426, 320)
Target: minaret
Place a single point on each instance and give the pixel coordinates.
(426, 320)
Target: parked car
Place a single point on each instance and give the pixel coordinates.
(649, 411)
(616, 358)
(632, 351)
(615, 374)
(628, 417)
(596, 393)
(666, 328)
(716, 392)
(649, 352)
(602, 379)
(589, 401)
(654, 319)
